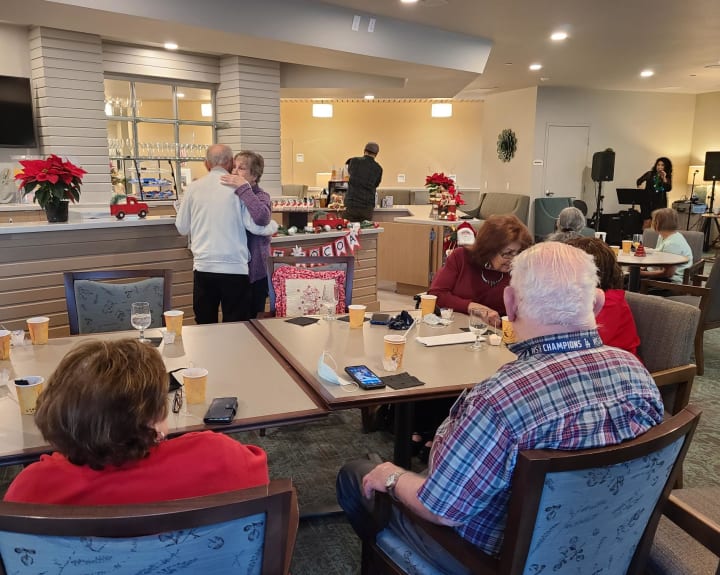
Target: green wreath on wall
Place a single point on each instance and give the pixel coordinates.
(506, 145)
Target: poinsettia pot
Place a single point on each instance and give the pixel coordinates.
(57, 211)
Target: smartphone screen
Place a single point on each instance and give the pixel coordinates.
(380, 318)
(364, 377)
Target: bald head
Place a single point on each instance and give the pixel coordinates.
(219, 155)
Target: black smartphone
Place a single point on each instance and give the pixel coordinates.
(380, 318)
(364, 377)
(221, 410)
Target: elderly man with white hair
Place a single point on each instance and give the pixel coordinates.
(565, 390)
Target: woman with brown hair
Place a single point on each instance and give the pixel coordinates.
(476, 276)
(615, 321)
(104, 413)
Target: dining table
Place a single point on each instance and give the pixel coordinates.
(240, 364)
(651, 258)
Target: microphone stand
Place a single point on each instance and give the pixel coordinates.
(692, 196)
(709, 216)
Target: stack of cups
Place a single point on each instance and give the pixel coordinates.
(38, 328)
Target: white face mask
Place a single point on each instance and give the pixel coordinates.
(326, 372)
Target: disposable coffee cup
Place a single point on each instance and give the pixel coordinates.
(616, 250)
(427, 304)
(357, 315)
(5, 338)
(168, 336)
(626, 245)
(28, 389)
(174, 321)
(508, 334)
(38, 328)
(601, 235)
(195, 381)
(393, 352)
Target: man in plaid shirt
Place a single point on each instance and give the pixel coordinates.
(565, 390)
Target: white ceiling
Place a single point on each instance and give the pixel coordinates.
(610, 42)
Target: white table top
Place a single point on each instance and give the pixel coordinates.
(653, 258)
(269, 392)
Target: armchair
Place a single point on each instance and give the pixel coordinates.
(695, 241)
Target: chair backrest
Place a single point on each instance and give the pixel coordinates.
(581, 205)
(596, 510)
(546, 212)
(694, 239)
(96, 302)
(503, 203)
(666, 329)
(243, 532)
(297, 190)
(295, 283)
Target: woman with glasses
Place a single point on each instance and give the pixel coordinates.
(104, 413)
(476, 276)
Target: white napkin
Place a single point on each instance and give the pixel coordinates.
(448, 339)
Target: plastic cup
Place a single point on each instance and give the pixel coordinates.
(168, 336)
(446, 313)
(508, 335)
(427, 304)
(38, 328)
(174, 321)
(626, 245)
(195, 381)
(393, 353)
(616, 250)
(5, 337)
(601, 235)
(17, 338)
(28, 392)
(357, 315)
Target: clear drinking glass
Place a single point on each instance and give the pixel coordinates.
(637, 240)
(140, 318)
(478, 326)
(330, 300)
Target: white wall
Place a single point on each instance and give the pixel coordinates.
(706, 132)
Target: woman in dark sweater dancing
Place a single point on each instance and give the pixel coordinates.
(657, 182)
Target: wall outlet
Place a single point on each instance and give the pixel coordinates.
(401, 178)
(299, 158)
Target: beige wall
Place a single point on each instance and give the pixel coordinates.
(706, 132)
(411, 142)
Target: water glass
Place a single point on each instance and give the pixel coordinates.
(140, 318)
(478, 326)
(330, 298)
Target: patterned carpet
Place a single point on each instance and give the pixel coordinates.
(311, 454)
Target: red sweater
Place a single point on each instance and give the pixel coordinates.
(459, 283)
(616, 323)
(191, 465)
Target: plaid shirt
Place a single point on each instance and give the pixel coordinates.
(546, 399)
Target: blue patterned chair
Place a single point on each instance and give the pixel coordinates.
(584, 512)
(239, 532)
(96, 303)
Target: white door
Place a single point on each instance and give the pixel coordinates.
(566, 161)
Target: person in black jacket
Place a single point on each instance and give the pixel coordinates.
(657, 182)
(365, 176)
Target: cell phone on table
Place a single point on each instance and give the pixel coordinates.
(364, 377)
(380, 319)
(222, 410)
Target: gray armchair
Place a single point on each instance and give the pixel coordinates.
(695, 241)
(498, 203)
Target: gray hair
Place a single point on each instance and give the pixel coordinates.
(555, 284)
(570, 220)
(219, 155)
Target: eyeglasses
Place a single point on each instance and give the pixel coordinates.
(508, 255)
(177, 400)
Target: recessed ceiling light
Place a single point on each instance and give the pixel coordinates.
(647, 73)
(171, 46)
(369, 97)
(558, 36)
(535, 67)
(180, 95)
(408, 1)
(544, 78)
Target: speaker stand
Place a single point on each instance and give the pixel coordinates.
(709, 219)
(598, 206)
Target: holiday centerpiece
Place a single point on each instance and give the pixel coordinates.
(444, 196)
(55, 183)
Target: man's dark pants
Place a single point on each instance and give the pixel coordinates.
(231, 292)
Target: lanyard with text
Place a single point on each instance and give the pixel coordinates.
(564, 343)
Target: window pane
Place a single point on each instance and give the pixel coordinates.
(154, 100)
(117, 98)
(195, 104)
(194, 140)
(156, 140)
(191, 171)
(120, 139)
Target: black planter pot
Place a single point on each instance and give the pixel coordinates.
(57, 212)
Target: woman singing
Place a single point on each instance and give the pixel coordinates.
(658, 182)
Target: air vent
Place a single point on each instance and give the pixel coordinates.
(432, 3)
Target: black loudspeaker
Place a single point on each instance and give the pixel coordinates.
(712, 166)
(603, 166)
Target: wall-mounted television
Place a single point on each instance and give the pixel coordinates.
(17, 129)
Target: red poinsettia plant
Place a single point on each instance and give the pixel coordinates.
(53, 180)
(443, 189)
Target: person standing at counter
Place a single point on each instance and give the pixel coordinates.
(217, 223)
(365, 176)
(657, 182)
(249, 168)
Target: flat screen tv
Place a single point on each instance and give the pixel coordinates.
(17, 129)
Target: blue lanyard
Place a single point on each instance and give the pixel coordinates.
(566, 342)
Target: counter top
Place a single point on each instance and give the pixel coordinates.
(84, 222)
(421, 215)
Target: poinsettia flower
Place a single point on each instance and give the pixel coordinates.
(52, 179)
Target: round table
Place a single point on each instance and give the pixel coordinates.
(652, 258)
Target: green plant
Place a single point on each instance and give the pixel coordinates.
(51, 179)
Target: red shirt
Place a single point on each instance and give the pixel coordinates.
(459, 283)
(616, 323)
(191, 465)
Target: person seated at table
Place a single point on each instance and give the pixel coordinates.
(615, 321)
(570, 223)
(670, 240)
(565, 390)
(475, 276)
(104, 413)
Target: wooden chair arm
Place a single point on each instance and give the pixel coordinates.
(700, 527)
(694, 270)
(698, 279)
(465, 552)
(677, 289)
(682, 377)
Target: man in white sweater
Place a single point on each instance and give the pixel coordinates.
(216, 222)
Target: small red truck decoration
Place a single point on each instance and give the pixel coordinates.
(323, 219)
(130, 206)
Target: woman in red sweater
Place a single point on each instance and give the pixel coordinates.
(104, 412)
(615, 321)
(476, 276)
